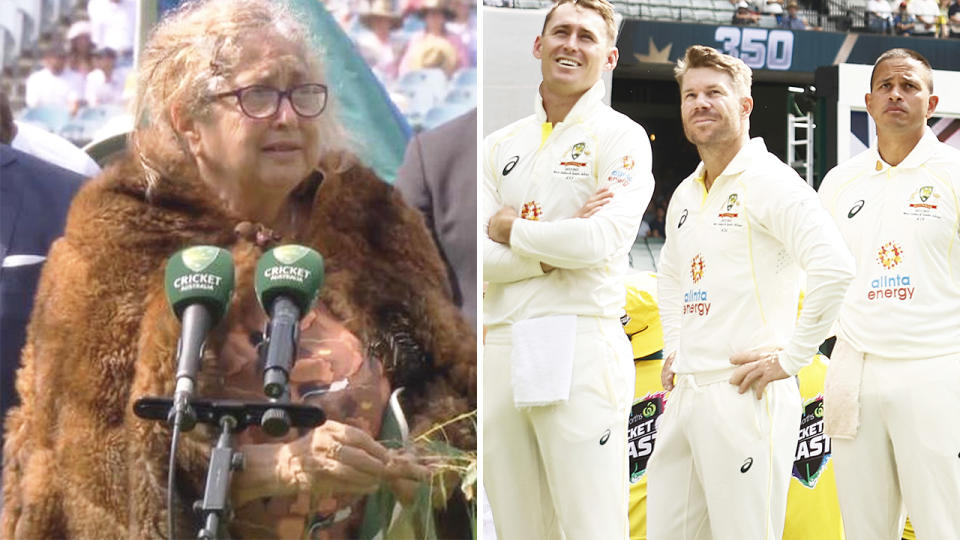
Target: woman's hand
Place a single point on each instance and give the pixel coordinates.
(333, 459)
(404, 474)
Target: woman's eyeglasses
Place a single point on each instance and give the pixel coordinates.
(307, 100)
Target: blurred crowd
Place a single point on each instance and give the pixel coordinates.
(914, 18)
(423, 51)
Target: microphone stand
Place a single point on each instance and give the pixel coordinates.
(231, 417)
(223, 461)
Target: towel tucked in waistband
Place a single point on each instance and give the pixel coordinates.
(841, 392)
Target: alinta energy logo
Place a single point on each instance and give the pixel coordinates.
(889, 255)
(531, 210)
(695, 300)
(696, 268)
(897, 286)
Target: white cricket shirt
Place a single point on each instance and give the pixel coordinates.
(547, 173)
(730, 268)
(903, 226)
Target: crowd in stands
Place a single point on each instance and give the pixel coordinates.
(932, 18)
(423, 51)
(914, 18)
(747, 14)
(407, 44)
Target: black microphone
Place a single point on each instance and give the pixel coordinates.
(287, 282)
(198, 282)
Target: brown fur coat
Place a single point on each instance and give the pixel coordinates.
(77, 462)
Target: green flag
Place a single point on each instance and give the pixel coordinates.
(366, 110)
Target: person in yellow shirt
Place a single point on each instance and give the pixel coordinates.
(813, 510)
(642, 325)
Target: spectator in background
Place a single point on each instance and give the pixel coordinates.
(773, 7)
(105, 85)
(953, 19)
(375, 42)
(464, 26)
(644, 229)
(903, 21)
(438, 177)
(40, 143)
(943, 29)
(792, 20)
(926, 13)
(113, 23)
(879, 16)
(36, 196)
(55, 85)
(743, 15)
(80, 53)
(434, 46)
(657, 224)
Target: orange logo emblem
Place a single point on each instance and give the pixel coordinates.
(696, 268)
(890, 255)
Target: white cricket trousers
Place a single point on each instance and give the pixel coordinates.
(906, 452)
(721, 467)
(560, 471)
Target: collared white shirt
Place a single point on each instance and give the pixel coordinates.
(903, 226)
(547, 173)
(113, 24)
(44, 89)
(51, 147)
(101, 91)
(730, 269)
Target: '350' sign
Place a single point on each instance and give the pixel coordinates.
(758, 47)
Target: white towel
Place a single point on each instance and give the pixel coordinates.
(542, 360)
(841, 392)
(11, 261)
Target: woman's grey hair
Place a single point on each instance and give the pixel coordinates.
(193, 53)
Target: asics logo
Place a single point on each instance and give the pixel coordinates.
(855, 208)
(510, 165)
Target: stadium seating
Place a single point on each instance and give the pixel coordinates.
(52, 119)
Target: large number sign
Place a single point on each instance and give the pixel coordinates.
(759, 48)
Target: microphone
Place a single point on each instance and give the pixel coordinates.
(287, 283)
(198, 282)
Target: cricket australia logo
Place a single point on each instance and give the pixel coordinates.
(577, 150)
(732, 201)
(890, 255)
(696, 268)
(574, 164)
(628, 163)
(813, 446)
(531, 210)
(728, 214)
(923, 203)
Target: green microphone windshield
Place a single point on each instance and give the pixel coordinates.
(200, 274)
(292, 271)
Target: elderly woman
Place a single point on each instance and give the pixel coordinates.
(240, 149)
